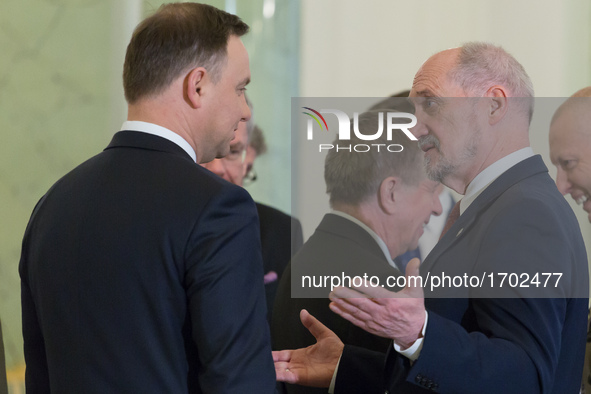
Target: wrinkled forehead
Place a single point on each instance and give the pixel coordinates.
(433, 78)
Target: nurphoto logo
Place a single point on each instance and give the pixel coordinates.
(344, 129)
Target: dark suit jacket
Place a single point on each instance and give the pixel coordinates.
(141, 273)
(281, 238)
(337, 245)
(496, 345)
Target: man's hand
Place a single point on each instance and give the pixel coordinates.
(399, 316)
(314, 365)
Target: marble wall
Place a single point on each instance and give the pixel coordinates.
(54, 113)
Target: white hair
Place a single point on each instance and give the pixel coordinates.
(482, 65)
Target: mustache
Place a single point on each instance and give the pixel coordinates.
(429, 140)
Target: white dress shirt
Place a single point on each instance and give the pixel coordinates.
(154, 129)
(474, 189)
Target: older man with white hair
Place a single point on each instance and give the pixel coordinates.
(461, 339)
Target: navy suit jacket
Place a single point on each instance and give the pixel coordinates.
(517, 344)
(141, 273)
(337, 245)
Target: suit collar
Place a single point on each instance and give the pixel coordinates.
(522, 170)
(140, 140)
(342, 227)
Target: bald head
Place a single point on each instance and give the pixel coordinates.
(585, 92)
(576, 105)
(469, 111)
(570, 147)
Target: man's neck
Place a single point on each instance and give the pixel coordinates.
(152, 111)
(461, 182)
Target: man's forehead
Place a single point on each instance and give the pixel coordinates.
(433, 79)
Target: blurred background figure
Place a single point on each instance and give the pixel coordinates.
(281, 234)
(257, 146)
(570, 152)
(3, 385)
(380, 203)
(570, 147)
(399, 102)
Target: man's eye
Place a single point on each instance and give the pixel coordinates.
(429, 104)
(568, 164)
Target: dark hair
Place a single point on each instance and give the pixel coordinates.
(257, 141)
(351, 176)
(178, 37)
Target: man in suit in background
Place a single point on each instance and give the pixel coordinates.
(463, 339)
(381, 201)
(141, 271)
(281, 234)
(570, 147)
(432, 231)
(570, 152)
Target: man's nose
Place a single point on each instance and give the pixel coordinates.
(246, 114)
(420, 129)
(564, 186)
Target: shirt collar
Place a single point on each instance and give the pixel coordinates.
(154, 129)
(490, 173)
(376, 237)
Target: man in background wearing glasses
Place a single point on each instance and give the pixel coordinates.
(281, 234)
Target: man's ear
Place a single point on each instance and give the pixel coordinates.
(387, 194)
(195, 81)
(498, 104)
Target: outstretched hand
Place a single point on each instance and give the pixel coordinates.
(314, 365)
(399, 316)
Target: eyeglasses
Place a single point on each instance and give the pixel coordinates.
(250, 177)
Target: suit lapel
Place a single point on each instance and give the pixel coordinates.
(524, 169)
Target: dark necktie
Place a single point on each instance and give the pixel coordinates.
(451, 219)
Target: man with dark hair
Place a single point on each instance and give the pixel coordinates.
(381, 201)
(257, 146)
(141, 271)
(473, 106)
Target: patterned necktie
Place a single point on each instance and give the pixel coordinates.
(451, 219)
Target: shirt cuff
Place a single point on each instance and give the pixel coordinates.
(413, 352)
(333, 381)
